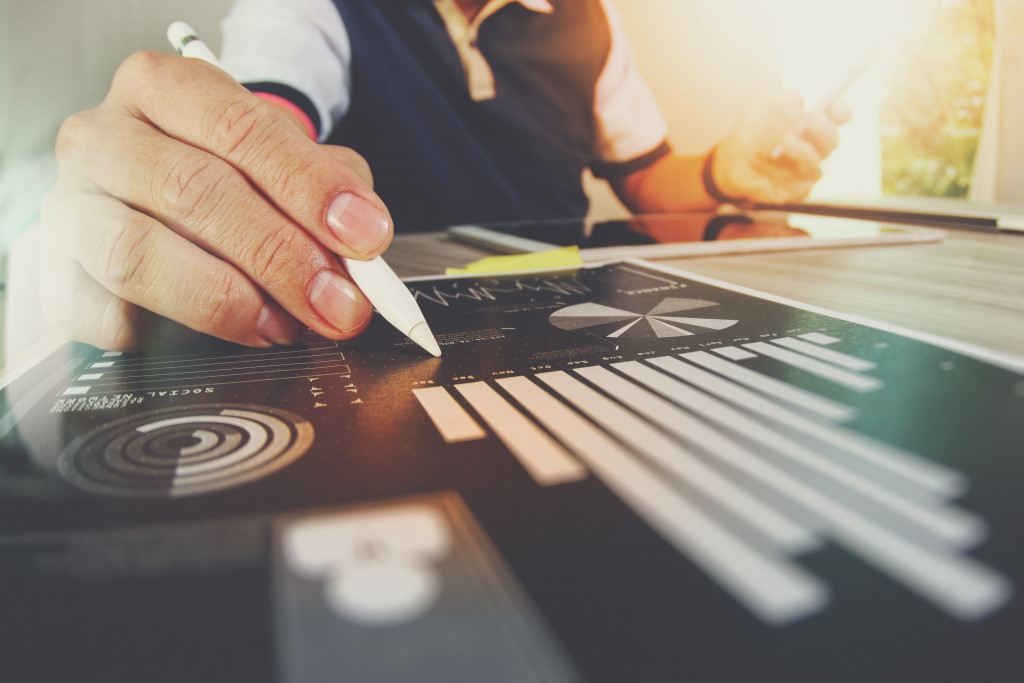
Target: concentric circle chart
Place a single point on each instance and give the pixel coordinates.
(184, 451)
(663, 320)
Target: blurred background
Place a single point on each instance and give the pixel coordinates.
(934, 115)
(918, 110)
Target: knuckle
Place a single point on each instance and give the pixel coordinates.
(829, 145)
(61, 324)
(119, 328)
(123, 259)
(76, 131)
(824, 126)
(238, 127)
(288, 173)
(85, 313)
(357, 163)
(829, 138)
(272, 259)
(214, 303)
(139, 67)
(190, 189)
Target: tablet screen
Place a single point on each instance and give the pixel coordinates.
(672, 234)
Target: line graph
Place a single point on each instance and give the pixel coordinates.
(436, 295)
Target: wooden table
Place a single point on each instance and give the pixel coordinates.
(968, 287)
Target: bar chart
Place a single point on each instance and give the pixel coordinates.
(703, 449)
(614, 472)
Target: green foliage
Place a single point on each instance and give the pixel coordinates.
(932, 116)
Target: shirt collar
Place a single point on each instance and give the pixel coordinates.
(535, 5)
(538, 5)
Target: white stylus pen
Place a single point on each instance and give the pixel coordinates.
(386, 292)
(833, 95)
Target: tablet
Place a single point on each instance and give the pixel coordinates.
(940, 212)
(689, 234)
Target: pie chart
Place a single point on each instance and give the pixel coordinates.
(671, 317)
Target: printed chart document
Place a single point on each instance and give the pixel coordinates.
(617, 472)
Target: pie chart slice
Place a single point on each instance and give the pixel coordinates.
(663, 329)
(710, 323)
(580, 316)
(622, 330)
(676, 305)
(661, 321)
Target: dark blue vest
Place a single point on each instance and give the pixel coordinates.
(441, 159)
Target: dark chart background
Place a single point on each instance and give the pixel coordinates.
(152, 507)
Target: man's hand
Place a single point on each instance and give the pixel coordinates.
(744, 167)
(186, 204)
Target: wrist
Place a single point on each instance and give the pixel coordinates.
(294, 113)
(711, 187)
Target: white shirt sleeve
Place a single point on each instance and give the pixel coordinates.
(629, 121)
(302, 44)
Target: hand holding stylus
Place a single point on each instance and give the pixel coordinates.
(830, 101)
(798, 140)
(186, 204)
(377, 281)
(744, 166)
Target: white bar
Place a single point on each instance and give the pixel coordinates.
(775, 388)
(105, 364)
(95, 375)
(911, 468)
(451, 420)
(849, 380)
(948, 525)
(75, 391)
(819, 338)
(966, 589)
(963, 587)
(844, 360)
(735, 353)
(540, 455)
(673, 457)
(776, 591)
(111, 354)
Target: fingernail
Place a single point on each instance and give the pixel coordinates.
(338, 301)
(277, 327)
(357, 222)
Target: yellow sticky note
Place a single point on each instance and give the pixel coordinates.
(553, 258)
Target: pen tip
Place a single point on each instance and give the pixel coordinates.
(421, 334)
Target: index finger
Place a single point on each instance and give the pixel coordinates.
(201, 105)
(839, 111)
